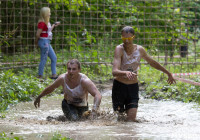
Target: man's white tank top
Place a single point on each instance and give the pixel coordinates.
(131, 62)
(76, 96)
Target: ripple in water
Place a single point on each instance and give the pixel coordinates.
(156, 120)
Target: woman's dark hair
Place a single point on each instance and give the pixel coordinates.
(128, 29)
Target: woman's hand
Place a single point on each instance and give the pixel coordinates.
(57, 23)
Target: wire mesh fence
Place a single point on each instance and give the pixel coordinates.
(91, 29)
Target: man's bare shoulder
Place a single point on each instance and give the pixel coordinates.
(61, 77)
(85, 81)
(143, 52)
(120, 46)
(141, 49)
(119, 50)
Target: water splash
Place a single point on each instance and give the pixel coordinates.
(156, 120)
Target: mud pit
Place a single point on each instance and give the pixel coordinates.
(156, 120)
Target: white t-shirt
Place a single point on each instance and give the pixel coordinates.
(50, 34)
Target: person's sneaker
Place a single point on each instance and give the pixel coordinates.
(54, 78)
(39, 76)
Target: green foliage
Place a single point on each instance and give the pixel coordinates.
(158, 88)
(58, 136)
(3, 136)
(98, 72)
(4, 39)
(87, 25)
(18, 87)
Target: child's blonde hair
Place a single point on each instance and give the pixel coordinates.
(44, 15)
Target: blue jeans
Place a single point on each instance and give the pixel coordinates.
(46, 50)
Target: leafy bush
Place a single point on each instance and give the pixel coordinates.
(3, 136)
(156, 86)
(56, 136)
(18, 87)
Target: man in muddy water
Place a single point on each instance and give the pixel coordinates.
(125, 66)
(76, 87)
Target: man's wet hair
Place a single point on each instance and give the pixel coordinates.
(74, 61)
(128, 29)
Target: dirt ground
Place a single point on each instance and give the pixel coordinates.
(102, 86)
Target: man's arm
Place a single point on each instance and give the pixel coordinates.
(48, 90)
(117, 63)
(156, 65)
(92, 89)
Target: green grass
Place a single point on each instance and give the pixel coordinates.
(55, 136)
(156, 86)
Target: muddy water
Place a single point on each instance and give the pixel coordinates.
(156, 120)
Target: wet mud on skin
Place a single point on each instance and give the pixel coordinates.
(156, 120)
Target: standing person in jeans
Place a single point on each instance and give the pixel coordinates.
(125, 66)
(43, 37)
(76, 87)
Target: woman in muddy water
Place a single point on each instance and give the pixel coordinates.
(76, 87)
(125, 66)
